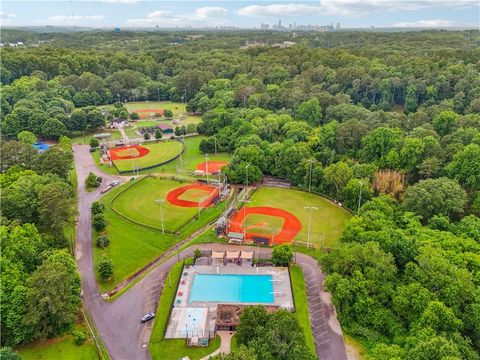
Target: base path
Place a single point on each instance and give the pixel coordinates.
(291, 225)
(214, 166)
(118, 322)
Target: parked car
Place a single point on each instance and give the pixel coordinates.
(114, 183)
(147, 317)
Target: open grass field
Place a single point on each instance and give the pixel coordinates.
(301, 304)
(158, 153)
(132, 245)
(138, 204)
(329, 219)
(173, 349)
(58, 348)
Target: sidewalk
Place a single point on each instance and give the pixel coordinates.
(226, 340)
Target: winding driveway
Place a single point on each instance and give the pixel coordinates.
(118, 322)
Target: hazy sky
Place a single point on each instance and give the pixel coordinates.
(139, 13)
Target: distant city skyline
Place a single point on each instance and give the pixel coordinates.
(242, 14)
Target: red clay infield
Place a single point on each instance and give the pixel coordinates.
(127, 152)
(173, 197)
(146, 112)
(213, 166)
(291, 225)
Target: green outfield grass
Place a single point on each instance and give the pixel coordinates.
(159, 152)
(138, 204)
(263, 224)
(132, 245)
(329, 219)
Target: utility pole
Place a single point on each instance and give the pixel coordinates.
(245, 202)
(246, 180)
(360, 196)
(206, 166)
(310, 176)
(215, 139)
(310, 208)
(160, 202)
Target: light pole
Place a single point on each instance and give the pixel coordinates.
(360, 196)
(131, 156)
(310, 208)
(215, 139)
(246, 180)
(206, 166)
(160, 202)
(310, 176)
(245, 202)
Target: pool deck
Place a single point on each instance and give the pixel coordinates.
(283, 297)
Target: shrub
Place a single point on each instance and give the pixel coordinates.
(134, 116)
(168, 113)
(146, 136)
(94, 142)
(92, 181)
(282, 255)
(79, 337)
(99, 222)
(191, 128)
(103, 242)
(105, 268)
(158, 134)
(97, 208)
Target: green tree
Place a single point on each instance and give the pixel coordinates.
(241, 353)
(53, 129)
(356, 192)
(17, 153)
(146, 135)
(158, 134)
(7, 353)
(338, 175)
(99, 222)
(53, 296)
(168, 113)
(94, 142)
(54, 207)
(282, 255)
(97, 207)
(252, 321)
(54, 161)
(379, 142)
(309, 111)
(465, 167)
(105, 268)
(440, 196)
(444, 122)
(27, 137)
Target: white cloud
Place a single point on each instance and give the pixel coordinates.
(350, 8)
(5, 18)
(204, 16)
(435, 23)
(127, 2)
(279, 10)
(67, 19)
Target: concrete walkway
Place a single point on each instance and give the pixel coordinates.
(226, 341)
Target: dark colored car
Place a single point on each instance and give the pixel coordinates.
(147, 317)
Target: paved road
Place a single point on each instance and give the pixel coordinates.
(118, 322)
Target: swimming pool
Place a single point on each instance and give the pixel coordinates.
(41, 146)
(232, 288)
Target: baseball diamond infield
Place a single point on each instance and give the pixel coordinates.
(214, 166)
(290, 228)
(128, 152)
(143, 113)
(193, 195)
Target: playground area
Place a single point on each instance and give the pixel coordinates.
(127, 158)
(138, 203)
(282, 215)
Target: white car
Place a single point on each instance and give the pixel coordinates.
(114, 183)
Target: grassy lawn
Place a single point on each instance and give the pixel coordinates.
(60, 348)
(138, 204)
(329, 219)
(355, 349)
(301, 304)
(132, 245)
(163, 349)
(159, 152)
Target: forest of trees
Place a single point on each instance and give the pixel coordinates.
(386, 123)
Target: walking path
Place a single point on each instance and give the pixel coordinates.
(226, 341)
(118, 322)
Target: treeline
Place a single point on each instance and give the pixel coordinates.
(40, 286)
(408, 291)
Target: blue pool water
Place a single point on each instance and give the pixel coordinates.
(41, 146)
(232, 288)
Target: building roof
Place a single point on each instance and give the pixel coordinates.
(235, 235)
(164, 127)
